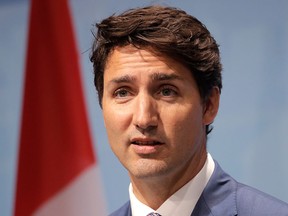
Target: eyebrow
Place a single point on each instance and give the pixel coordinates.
(164, 77)
(123, 79)
(154, 77)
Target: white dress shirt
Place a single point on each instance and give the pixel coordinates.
(183, 201)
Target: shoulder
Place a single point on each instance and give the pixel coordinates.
(224, 195)
(251, 201)
(125, 210)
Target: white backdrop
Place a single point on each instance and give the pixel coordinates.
(249, 138)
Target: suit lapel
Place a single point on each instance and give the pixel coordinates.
(125, 210)
(218, 197)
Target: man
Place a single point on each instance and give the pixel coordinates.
(158, 77)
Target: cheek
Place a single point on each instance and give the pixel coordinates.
(115, 120)
(113, 133)
(184, 126)
(116, 124)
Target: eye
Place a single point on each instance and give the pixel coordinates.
(168, 91)
(121, 93)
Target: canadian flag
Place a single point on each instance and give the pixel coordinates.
(57, 170)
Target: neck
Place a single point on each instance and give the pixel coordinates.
(154, 191)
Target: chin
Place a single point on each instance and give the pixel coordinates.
(148, 169)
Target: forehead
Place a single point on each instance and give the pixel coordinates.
(130, 56)
(132, 59)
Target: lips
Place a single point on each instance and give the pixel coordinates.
(143, 143)
(146, 146)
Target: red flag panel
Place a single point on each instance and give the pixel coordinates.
(55, 143)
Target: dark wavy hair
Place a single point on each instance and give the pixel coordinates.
(164, 30)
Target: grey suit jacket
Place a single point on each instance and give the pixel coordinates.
(223, 196)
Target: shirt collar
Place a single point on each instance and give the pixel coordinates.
(183, 201)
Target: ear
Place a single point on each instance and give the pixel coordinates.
(211, 106)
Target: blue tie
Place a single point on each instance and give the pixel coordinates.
(153, 214)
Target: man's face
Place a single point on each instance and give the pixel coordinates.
(153, 113)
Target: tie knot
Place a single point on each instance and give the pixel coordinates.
(153, 214)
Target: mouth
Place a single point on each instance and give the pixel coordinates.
(146, 143)
(146, 146)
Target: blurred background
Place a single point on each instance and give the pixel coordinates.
(249, 139)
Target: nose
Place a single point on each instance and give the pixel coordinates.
(145, 116)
